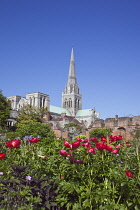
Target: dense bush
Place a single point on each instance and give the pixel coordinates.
(32, 128)
(99, 132)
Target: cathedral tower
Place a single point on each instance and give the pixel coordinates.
(71, 98)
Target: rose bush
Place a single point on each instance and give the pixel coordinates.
(49, 173)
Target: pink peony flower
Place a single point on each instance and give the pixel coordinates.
(67, 144)
(115, 151)
(75, 145)
(88, 145)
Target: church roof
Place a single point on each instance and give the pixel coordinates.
(59, 110)
(83, 113)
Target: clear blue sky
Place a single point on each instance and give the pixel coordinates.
(36, 37)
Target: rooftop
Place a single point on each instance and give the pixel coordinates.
(59, 110)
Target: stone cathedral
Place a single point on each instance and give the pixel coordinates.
(71, 103)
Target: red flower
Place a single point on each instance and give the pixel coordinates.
(69, 154)
(78, 161)
(86, 145)
(91, 150)
(112, 137)
(8, 144)
(119, 137)
(34, 140)
(75, 161)
(112, 140)
(78, 139)
(67, 144)
(93, 139)
(75, 145)
(118, 146)
(63, 152)
(81, 140)
(128, 173)
(103, 138)
(2, 156)
(128, 144)
(13, 143)
(101, 145)
(109, 148)
(85, 140)
(115, 151)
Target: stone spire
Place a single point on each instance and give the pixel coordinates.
(71, 98)
(72, 72)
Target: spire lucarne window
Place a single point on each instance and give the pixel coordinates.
(71, 98)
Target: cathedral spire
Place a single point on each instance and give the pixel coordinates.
(71, 98)
(72, 71)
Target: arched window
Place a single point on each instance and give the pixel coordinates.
(65, 102)
(69, 102)
(30, 101)
(75, 103)
(40, 101)
(12, 104)
(71, 88)
(44, 101)
(33, 101)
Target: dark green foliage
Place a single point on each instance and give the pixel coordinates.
(4, 110)
(32, 128)
(99, 132)
(18, 191)
(137, 133)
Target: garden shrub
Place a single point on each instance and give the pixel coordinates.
(32, 128)
(80, 136)
(99, 132)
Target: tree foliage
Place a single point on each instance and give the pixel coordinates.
(99, 132)
(4, 110)
(32, 128)
(73, 124)
(30, 114)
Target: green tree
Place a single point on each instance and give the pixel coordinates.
(4, 110)
(30, 114)
(74, 124)
(32, 128)
(99, 132)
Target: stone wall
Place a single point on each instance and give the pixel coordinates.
(124, 126)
